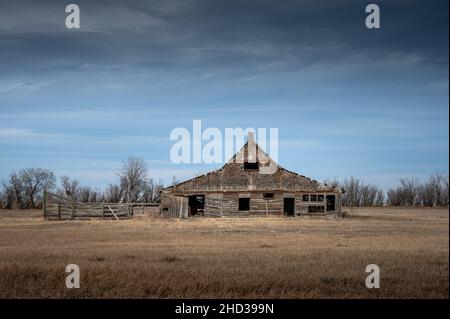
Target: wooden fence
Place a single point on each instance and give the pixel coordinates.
(140, 208)
(59, 207)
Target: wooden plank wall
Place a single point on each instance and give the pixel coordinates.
(62, 208)
(178, 206)
(227, 203)
(214, 204)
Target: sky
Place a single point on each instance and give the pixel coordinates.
(347, 100)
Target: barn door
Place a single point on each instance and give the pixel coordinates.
(196, 205)
(289, 206)
(184, 207)
(178, 206)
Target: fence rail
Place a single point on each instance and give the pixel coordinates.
(62, 208)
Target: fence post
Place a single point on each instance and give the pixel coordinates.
(73, 210)
(103, 211)
(59, 210)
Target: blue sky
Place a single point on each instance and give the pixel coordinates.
(346, 100)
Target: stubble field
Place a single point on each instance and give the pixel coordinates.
(265, 257)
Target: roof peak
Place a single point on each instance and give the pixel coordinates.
(251, 137)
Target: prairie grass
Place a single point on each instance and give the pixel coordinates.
(265, 257)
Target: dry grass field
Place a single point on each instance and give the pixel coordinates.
(273, 257)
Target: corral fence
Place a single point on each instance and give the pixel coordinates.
(63, 208)
(141, 208)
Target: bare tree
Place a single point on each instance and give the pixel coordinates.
(24, 189)
(132, 177)
(113, 193)
(411, 192)
(7, 196)
(34, 182)
(357, 193)
(393, 198)
(426, 195)
(96, 196)
(408, 191)
(435, 183)
(70, 187)
(84, 193)
(379, 199)
(151, 191)
(352, 196)
(89, 194)
(368, 195)
(14, 184)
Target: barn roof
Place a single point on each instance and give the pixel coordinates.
(234, 176)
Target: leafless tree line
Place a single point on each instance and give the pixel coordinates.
(410, 192)
(359, 194)
(24, 189)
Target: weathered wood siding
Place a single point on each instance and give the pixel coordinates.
(178, 206)
(59, 207)
(227, 203)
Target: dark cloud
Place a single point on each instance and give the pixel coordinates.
(363, 99)
(216, 35)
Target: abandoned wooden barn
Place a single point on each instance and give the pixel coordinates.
(242, 187)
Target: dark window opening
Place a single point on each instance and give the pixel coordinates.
(313, 198)
(268, 195)
(250, 165)
(331, 202)
(306, 198)
(244, 203)
(320, 198)
(289, 206)
(316, 209)
(196, 204)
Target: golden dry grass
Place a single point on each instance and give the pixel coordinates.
(273, 257)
